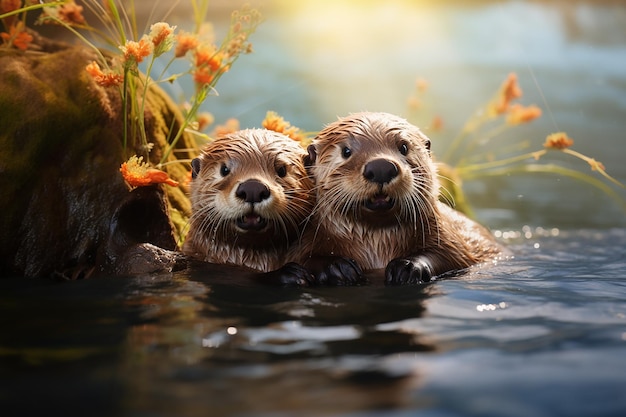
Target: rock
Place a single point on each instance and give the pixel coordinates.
(65, 208)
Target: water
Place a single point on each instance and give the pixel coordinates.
(326, 59)
(543, 334)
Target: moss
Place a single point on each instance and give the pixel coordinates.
(60, 153)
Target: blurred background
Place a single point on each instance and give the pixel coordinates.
(316, 60)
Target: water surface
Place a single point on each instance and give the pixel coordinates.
(543, 334)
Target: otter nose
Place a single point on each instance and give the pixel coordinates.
(252, 191)
(380, 171)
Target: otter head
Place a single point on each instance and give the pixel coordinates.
(373, 168)
(250, 189)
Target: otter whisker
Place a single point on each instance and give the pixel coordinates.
(386, 214)
(248, 227)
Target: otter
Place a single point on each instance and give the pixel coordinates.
(377, 202)
(250, 196)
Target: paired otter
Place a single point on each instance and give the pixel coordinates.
(250, 196)
(374, 205)
(377, 203)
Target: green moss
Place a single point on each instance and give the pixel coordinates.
(61, 148)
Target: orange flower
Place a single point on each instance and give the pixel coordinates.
(414, 103)
(203, 76)
(209, 64)
(137, 174)
(208, 57)
(231, 125)
(71, 13)
(436, 124)
(276, 123)
(519, 114)
(103, 79)
(509, 91)
(559, 141)
(204, 120)
(17, 37)
(135, 52)
(510, 88)
(161, 35)
(185, 43)
(421, 85)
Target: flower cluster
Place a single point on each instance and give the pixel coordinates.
(208, 62)
(558, 140)
(17, 37)
(134, 52)
(211, 61)
(415, 103)
(162, 38)
(276, 123)
(519, 114)
(104, 79)
(15, 34)
(231, 125)
(68, 13)
(185, 42)
(462, 157)
(509, 91)
(498, 115)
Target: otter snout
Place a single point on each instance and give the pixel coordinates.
(380, 171)
(252, 191)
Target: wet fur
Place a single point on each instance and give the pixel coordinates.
(418, 232)
(249, 154)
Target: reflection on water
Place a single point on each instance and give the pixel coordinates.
(542, 334)
(237, 347)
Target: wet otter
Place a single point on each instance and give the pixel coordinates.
(250, 195)
(377, 202)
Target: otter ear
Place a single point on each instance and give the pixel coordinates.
(309, 159)
(195, 167)
(427, 144)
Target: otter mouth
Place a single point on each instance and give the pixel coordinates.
(379, 202)
(251, 221)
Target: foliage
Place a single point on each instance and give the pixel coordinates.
(119, 68)
(465, 158)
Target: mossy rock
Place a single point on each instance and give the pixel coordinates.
(66, 209)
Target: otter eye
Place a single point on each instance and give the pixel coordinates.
(403, 148)
(346, 152)
(224, 170)
(196, 165)
(281, 171)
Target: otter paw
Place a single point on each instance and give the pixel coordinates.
(290, 274)
(403, 271)
(338, 271)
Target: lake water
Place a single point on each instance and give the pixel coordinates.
(542, 334)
